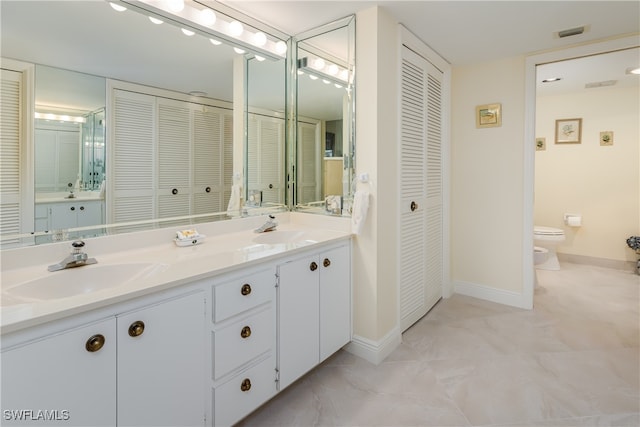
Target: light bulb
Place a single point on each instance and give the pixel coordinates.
(312, 77)
(281, 47)
(259, 58)
(300, 72)
(333, 69)
(238, 50)
(207, 16)
(325, 81)
(175, 5)
(187, 32)
(155, 20)
(259, 39)
(118, 7)
(235, 28)
(215, 42)
(318, 63)
(337, 86)
(344, 75)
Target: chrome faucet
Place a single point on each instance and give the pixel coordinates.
(76, 258)
(270, 225)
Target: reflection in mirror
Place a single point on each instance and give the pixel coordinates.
(185, 84)
(325, 118)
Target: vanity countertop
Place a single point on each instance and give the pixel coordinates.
(82, 196)
(216, 254)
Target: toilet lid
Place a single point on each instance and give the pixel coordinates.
(548, 231)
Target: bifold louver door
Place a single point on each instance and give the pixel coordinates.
(420, 188)
(10, 107)
(266, 157)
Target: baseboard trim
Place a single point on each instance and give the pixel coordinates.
(598, 262)
(499, 296)
(375, 351)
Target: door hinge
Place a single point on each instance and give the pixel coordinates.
(277, 376)
(277, 280)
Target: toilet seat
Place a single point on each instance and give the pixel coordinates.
(547, 231)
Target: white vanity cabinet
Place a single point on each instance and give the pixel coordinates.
(76, 376)
(244, 342)
(68, 214)
(70, 377)
(314, 310)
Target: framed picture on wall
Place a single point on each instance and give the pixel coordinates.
(568, 131)
(489, 115)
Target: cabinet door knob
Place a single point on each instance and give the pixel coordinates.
(73, 208)
(246, 289)
(81, 208)
(326, 262)
(136, 328)
(208, 189)
(313, 266)
(245, 385)
(414, 206)
(174, 191)
(94, 343)
(270, 186)
(245, 332)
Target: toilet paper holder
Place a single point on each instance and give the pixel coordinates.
(573, 220)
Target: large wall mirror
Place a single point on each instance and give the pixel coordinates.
(134, 119)
(324, 150)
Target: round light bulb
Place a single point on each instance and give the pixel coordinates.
(312, 77)
(238, 50)
(215, 42)
(281, 47)
(235, 28)
(175, 5)
(155, 20)
(325, 81)
(259, 39)
(118, 7)
(207, 16)
(318, 63)
(300, 72)
(333, 69)
(344, 75)
(337, 86)
(187, 32)
(260, 58)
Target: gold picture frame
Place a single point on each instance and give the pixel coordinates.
(489, 115)
(568, 131)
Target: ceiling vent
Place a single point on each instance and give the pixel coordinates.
(600, 84)
(571, 32)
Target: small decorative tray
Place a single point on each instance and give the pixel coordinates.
(191, 241)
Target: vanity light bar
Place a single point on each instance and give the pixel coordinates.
(327, 71)
(213, 24)
(60, 117)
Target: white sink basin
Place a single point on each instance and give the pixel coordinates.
(282, 236)
(79, 280)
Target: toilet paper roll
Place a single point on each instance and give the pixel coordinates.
(574, 221)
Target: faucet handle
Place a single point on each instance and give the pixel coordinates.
(78, 244)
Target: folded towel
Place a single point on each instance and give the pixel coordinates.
(234, 201)
(359, 213)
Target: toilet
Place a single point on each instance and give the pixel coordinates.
(547, 238)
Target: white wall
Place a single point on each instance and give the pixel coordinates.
(599, 182)
(487, 182)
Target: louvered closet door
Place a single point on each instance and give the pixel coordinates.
(10, 107)
(208, 154)
(266, 157)
(227, 160)
(309, 181)
(132, 181)
(420, 188)
(174, 159)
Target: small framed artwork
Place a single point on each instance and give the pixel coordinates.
(606, 138)
(568, 131)
(489, 115)
(541, 144)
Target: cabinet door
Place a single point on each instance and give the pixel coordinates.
(63, 215)
(161, 364)
(89, 213)
(335, 300)
(299, 318)
(57, 380)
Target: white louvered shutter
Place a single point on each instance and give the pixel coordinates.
(10, 107)
(228, 158)
(131, 184)
(420, 189)
(309, 158)
(266, 157)
(208, 163)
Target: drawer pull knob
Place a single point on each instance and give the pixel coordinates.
(94, 343)
(208, 189)
(313, 266)
(245, 332)
(246, 385)
(326, 262)
(246, 289)
(136, 328)
(174, 191)
(414, 206)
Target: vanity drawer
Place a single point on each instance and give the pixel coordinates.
(234, 296)
(243, 341)
(245, 392)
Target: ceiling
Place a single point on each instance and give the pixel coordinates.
(90, 37)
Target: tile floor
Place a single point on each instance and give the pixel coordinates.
(572, 361)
